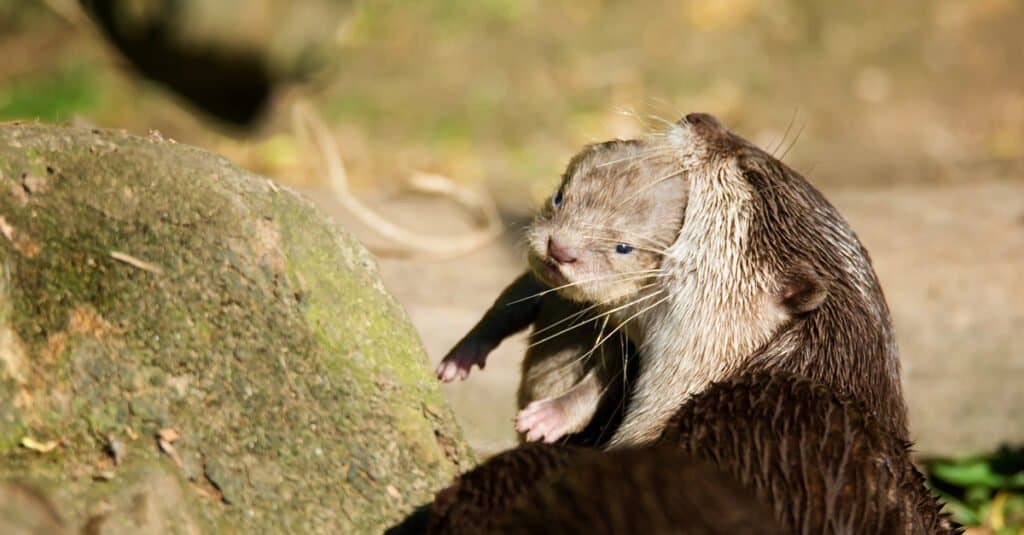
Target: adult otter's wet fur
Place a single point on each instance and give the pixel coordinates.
(594, 250)
(783, 452)
(476, 500)
(656, 490)
(539, 488)
(765, 275)
(821, 459)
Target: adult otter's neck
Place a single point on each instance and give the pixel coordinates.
(715, 313)
(848, 342)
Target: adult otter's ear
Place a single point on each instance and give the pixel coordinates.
(802, 290)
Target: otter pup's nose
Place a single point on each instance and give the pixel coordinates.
(560, 252)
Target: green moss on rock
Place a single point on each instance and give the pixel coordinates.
(148, 286)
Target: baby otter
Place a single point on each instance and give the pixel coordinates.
(765, 275)
(565, 361)
(595, 250)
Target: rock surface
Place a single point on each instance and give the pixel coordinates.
(185, 347)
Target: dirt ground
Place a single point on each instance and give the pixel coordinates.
(949, 258)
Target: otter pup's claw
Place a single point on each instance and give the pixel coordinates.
(460, 360)
(542, 419)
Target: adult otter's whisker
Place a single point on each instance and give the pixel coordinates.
(793, 144)
(785, 134)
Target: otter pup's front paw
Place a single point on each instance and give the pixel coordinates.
(543, 419)
(460, 360)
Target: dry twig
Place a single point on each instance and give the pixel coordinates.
(310, 128)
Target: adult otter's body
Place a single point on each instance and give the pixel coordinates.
(765, 275)
(782, 453)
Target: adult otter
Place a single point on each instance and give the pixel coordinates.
(765, 275)
(779, 449)
(619, 204)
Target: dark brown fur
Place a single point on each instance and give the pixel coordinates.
(559, 489)
(841, 332)
(821, 459)
(652, 490)
(477, 499)
(744, 456)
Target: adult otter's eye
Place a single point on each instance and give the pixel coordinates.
(622, 248)
(557, 201)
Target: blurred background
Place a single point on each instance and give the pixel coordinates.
(908, 115)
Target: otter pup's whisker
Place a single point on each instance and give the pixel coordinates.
(603, 314)
(595, 279)
(637, 247)
(602, 339)
(585, 310)
(637, 235)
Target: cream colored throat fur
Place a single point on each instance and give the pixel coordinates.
(719, 308)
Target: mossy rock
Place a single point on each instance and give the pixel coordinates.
(186, 347)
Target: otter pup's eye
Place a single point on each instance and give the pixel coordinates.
(557, 201)
(622, 248)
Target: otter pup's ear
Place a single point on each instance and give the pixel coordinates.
(802, 290)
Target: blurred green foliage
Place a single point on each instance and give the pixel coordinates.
(983, 490)
(74, 88)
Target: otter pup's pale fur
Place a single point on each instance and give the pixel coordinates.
(765, 275)
(595, 250)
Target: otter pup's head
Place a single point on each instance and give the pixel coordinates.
(601, 235)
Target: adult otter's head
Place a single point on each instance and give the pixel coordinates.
(815, 272)
(601, 235)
